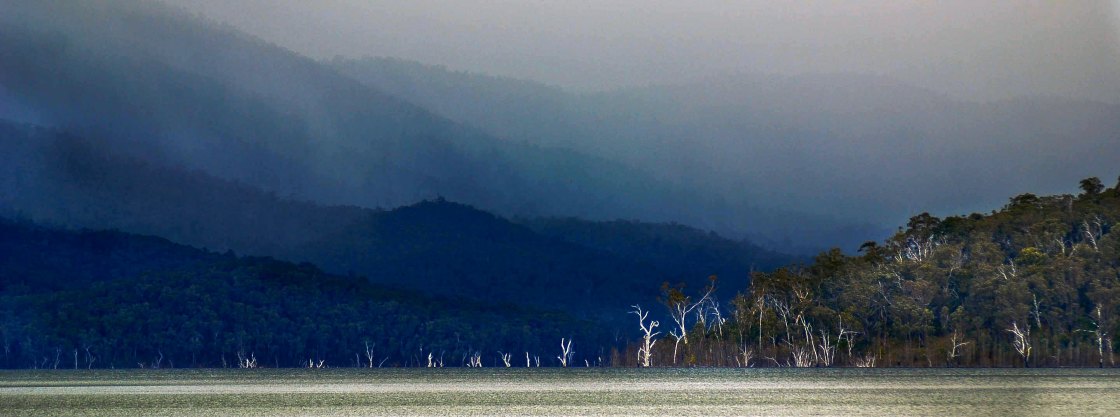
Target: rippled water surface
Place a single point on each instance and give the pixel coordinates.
(559, 392)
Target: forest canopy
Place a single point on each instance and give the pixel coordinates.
(1036, 283)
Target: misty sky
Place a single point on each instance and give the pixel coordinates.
(972, 49)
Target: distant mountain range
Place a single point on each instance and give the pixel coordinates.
(436, 247)
(169, 88)
(808, 160)
(377, 183)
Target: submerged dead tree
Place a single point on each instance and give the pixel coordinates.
(648, 335)
(565, 353)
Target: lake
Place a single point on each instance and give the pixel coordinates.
(561, 392)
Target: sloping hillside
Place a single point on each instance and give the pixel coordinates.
(1036, 283)
(436, 247)
(111, 299)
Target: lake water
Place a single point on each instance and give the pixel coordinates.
(561, 392)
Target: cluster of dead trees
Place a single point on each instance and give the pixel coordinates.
(1034, 284)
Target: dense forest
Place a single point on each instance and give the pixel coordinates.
(1033, 284)
(1036, 283)
(111, 300)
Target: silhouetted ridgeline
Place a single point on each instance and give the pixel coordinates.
(1034, 284)
(435, 247)
(771, 145)
(170, 88)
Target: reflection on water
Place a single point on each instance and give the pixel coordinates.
(699, 392)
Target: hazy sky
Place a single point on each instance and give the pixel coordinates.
(976, 49)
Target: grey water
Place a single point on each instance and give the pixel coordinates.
(561, 392)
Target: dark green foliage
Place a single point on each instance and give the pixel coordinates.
(945, 292)
(1092, 186)
(130, 299)
(680, 253)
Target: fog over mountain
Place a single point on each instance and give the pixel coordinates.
(299, 180)
(863, 111)
(969, 49)
(800, 127)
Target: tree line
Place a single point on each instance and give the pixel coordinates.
(1033, 284)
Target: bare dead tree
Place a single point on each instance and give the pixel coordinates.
(369, 353)
(916, 249)
(782, 308)
(807, 331)
(565, 353)
(526, 359)
(865, 361)
(715, 319)
(246, 362)
(90, 358)
(802, 357)
(680, 307)
(1008, 272)
(827, 350)
(505, 358)
(1100, 333)
(955, 344)
(648, 335)
(1090, 235)
(846, 336)
(1036, 311)
(760, 304)
(1021, 341)
(747, 354)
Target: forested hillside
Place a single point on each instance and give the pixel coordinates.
(679, 253)
(1036, 283)
(108, 299)
(1033, 284)
(436, 247)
